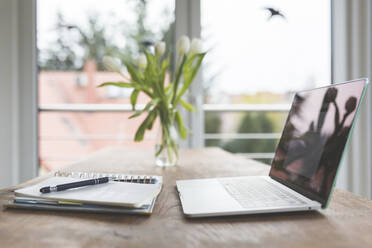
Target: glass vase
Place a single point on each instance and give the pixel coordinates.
(166, 146)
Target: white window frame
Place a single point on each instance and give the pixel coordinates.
(188, 22)
(28, 94)
(18, 143)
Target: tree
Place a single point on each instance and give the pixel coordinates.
(253, 123)
(59, 55)
(139, 37)
(94, 41)
(76, 44)
(212, 125)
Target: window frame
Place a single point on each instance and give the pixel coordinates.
(187, 21)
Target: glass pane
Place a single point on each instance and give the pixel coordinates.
(260, 52)
(69, 136)
(263, 129)
(72, 38)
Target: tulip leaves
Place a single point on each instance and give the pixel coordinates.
(189, 71)
(118, 84)
(187, 105)
(133, 98)
(145, 125)
(182, 129)
(152, 104)
(165, 97)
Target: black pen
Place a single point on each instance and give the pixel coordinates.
(74, 185)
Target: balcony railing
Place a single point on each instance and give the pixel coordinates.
(128, 107)
(216, 108)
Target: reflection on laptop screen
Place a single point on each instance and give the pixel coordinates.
(314, 137)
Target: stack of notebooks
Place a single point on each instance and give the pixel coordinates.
(129, 194)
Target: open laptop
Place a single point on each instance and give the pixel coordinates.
(303, 171)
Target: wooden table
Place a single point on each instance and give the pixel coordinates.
(346, 223)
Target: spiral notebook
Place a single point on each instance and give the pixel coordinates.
(120, 177)
(40, 204)
(131, 191)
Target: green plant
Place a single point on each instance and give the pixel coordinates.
(253, 123)
(148, 75)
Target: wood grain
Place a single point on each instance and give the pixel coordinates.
(346, 223)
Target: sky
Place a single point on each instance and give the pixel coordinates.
(251, 53)
(110, 12)
(247, 52)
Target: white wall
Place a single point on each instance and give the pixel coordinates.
(18, 157)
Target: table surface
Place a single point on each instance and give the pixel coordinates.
(346, 223)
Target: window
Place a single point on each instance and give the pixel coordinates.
(253, 66)
(255, 63)
(75, 117)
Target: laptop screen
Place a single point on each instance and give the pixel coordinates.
(314, 137)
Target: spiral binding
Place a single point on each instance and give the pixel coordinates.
(117, 177)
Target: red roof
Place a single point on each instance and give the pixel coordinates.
(66, 137)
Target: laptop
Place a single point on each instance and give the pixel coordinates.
(303, 171)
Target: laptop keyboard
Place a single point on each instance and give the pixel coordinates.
(259, 192)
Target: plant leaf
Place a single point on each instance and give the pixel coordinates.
(150, 71)
(177, 79)
(133, 98)
(152, 78)
(187, 105)
(163, 71)
(134, 74)
(181, 127)
(154, 102)
(165, 63)
(141, 130)
(190, 72)
(168, 87)
(190, 60)
(118, 84)
(152, 119)
(145, 125)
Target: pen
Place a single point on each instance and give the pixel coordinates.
(73, 185)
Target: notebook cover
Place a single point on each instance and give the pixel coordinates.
(37, 205)
(112, 193)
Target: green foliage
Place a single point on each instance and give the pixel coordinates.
(94, 41)
(182, 129)
(118, 84)
(253, 123)
(187, 105)
(133, 98)
(191, 68)
(212, 125)
(164, 99)
(151, 104)
(145, 124)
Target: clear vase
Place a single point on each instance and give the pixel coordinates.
(166, 146)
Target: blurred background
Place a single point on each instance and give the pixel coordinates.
(254, 61)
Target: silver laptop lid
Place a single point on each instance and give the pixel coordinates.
(314, 138)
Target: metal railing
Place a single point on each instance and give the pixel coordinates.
(88, 107)
(128, 107)
(208, 108)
